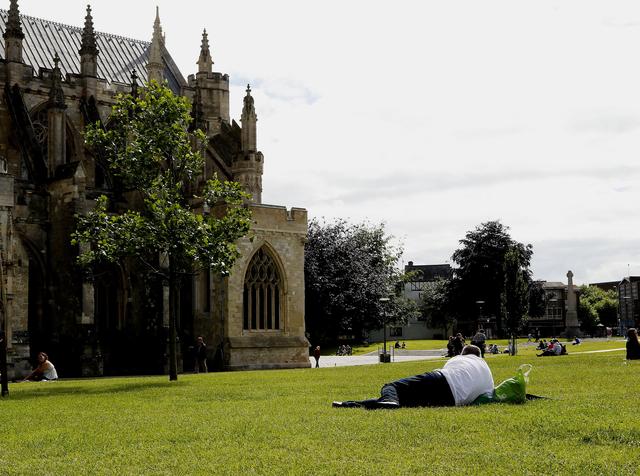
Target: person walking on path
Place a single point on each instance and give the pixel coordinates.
(462, 379)
(316, 355)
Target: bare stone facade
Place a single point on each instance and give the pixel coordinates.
(112, 320)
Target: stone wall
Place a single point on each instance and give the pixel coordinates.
(283, 233)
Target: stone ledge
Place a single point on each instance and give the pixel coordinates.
(266, 341)
(287, 365)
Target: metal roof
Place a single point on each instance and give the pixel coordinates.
(117, 57)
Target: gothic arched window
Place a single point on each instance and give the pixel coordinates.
(262, 295)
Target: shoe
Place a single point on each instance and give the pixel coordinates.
(387, 405)
(347, 404)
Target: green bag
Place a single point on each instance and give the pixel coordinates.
(514, 389)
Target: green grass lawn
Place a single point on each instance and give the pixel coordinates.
(282, 422)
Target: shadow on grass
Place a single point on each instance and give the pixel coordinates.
(29, 390)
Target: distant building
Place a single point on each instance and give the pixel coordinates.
(607, 285)
(558, 304)
(628, 305)
(414, 328)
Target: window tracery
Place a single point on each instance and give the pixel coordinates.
(262, 297)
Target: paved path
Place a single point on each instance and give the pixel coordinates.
(372, 358)
(404, 356)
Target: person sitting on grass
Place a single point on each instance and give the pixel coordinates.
(633, 346)
(554, 348)
(44, 371)
(576, 341)
(462, 379)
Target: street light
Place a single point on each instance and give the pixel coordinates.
(384, 300)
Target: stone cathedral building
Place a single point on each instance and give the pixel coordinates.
(55, 80)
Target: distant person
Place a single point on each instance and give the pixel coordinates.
(44, 371)
(554, 348)
(200, 352)
(404, 345)
(462, 379)
(458, 344)
(542, 345)
(576, 341)
(397, 344)
(479, 340)
(633, 346)
(451, 348)
(316, 355)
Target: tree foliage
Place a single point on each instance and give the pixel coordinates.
(481, 273)
(149, 149)
(348, 268)
(597, 306)
(435, 305)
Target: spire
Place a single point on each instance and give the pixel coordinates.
(88, 50)
(205, 63)
(14, 27)
(155, 65)
(56, 94)
(249, 120)
(88, 45)
(248, 109)
(13, 34)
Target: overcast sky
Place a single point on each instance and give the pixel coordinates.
(432, 116)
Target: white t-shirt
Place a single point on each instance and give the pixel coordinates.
(468, 376)
(50, 371)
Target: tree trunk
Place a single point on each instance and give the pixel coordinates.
(173, 285)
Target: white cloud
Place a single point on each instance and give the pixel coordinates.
(433, 116)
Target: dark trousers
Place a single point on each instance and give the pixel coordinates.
(430, 389)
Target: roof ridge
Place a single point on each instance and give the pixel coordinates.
(98, 33)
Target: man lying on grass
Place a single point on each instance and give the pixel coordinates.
(462, 379)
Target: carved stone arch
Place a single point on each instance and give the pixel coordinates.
(262, 243)
(38, 326)
(74, 142)
(264, 291)
(40, 122)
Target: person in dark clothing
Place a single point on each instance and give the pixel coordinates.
(479, 340)
(458, 344)
(200, 352)
(451, 348)
(316, 355)
(633, 346)
(462, 379)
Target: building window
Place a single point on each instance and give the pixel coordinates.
(262, 295)
(395, 332)
(417, 285)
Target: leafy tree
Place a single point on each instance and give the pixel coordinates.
(148, 147)
(515, 298)
(588, 316)
(348, 268)
(480, 271)
(435, 304)
(537, 299)
(597, 306)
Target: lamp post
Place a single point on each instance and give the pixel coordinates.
(384, 300)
